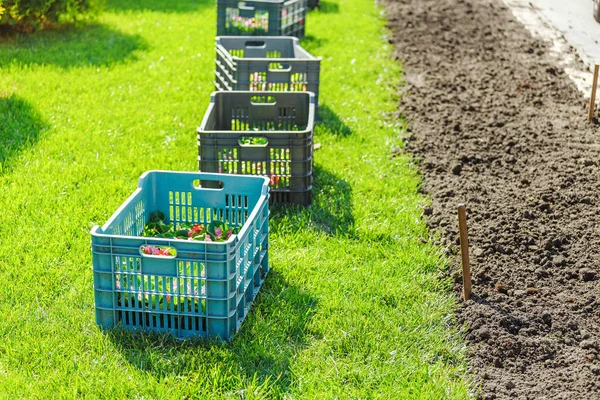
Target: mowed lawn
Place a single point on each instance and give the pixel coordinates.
(355, 306)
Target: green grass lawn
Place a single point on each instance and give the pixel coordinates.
(355, 305)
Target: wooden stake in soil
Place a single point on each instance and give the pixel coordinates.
(464, 251)
(593, 97)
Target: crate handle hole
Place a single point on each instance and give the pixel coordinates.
(263, 100)
(255, 44)
(158, 251)
(281, 68)
(207, 184)
(253, 141)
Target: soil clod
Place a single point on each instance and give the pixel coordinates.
(587, 274)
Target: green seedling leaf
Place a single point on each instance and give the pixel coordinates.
(157, 216)
(163, 228)
(182, 233)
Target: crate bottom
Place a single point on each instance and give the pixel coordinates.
(181, 327)
(300, 198)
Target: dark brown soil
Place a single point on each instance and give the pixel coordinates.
(498, 126)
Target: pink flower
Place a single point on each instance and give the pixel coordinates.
(218, 233)
(207, 238)
(228, 233)
(118, 284)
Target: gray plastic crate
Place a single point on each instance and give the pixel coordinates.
(261, 17)
(265, 63)
(284, 124)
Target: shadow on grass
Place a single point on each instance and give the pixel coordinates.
(69, 47)
(330, 211)
(158, 5)
(20, 128)
(328, 7)
(312, 44)
(261, 354)
(331, 123)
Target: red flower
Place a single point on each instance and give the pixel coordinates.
(197, 228)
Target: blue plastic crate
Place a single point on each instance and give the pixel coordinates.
(206, 288)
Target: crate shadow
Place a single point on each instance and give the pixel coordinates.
(168, 6)
(330, 211)
(330, 123)
(276, 328)
(328, 7)
(69, 47)
(20, 128)
(312, 44)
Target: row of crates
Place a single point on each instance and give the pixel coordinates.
(255, 147)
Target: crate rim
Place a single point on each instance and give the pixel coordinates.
(310, 123)
(99, 231)
(296, 42)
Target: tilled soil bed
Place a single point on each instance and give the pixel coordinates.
(498, 126)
